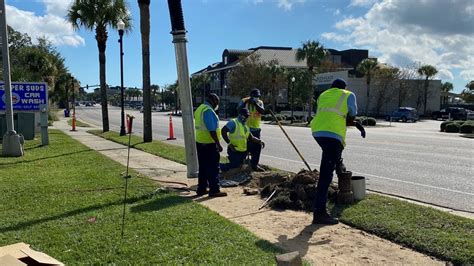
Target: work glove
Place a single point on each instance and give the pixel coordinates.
(361, 129)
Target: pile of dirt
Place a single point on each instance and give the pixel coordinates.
(297, 192)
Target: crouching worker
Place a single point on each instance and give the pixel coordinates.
(236, 133)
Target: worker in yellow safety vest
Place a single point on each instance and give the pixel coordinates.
(256, 109)
(337, 108)
(237, 134)
(208, 146)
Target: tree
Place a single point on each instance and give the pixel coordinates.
(198, 85)
(429, 72)
(144, 6)
(447, 87)
(406, 74)
(98, 15)
(468, 94)
(155, 89)
(277, 78)
(367, 67)
(314, 53)
(250, 73)
(386, 79)
(299, 89)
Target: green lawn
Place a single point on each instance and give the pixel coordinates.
(437, 233)
(159, 148)
(49, 196)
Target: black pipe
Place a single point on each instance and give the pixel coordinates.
(176, 15)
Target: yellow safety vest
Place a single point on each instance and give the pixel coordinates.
(255, 117)
(202, 133)
(332, 113)
(240, 135)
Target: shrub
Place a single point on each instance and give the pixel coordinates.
(452, 127)
(443, 125)
(467, 127)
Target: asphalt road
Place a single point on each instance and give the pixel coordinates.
(413, 160)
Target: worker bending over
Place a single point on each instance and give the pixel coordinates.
(337, 108)
(237, 134)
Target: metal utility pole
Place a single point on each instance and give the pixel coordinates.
(12, 142)
(179, 39)
(121, 27)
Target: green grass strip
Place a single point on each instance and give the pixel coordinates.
(79, 123)
(159, 148)
(430, 231)
(66, 200)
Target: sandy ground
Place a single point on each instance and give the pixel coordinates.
(291, 230)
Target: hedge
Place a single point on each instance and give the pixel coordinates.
(467, 127)
(452, 127)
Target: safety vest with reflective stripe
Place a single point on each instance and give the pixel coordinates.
(202, 133)
(255, 117)
(332, 113)
(240, 135)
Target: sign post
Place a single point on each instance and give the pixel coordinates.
(12, 142)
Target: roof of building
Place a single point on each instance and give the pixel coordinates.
(285, 58)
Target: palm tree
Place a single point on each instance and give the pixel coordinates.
(314, 53)
(368, 67)
(276, 73)
(98, 15)
(428, 71)
(144, 6)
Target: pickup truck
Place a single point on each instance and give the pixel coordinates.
(455, 113)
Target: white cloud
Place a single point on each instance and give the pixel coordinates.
(286, 5)
(52, 25)
(401, 32)
(362, 2)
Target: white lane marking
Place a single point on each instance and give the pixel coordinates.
(381, 177)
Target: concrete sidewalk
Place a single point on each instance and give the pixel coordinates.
(291, 230)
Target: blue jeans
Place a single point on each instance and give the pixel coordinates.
(236, 159)
(332, 151)
(208, 159)
(254, 148)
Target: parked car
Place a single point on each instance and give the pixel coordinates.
(403, 113)
(470, 115)
(455, 113)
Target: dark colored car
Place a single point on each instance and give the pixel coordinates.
(455, 113)
(403, 113)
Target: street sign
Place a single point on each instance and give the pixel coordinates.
(26, 96)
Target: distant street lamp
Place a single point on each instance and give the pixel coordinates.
(224, 100)
(121, 27)
(292, 89)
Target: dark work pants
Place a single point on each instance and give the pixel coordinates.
(254, 148)
(332, 150)
(208, 159)
(236, 159)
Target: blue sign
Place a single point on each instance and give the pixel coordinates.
(26, 96)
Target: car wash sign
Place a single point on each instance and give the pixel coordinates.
(26, 96)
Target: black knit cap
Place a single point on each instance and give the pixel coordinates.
(339, 83)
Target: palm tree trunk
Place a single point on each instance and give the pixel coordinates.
(103, 89)
(145, 34)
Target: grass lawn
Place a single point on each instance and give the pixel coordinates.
(440, 234)
(168, 151)
(66, 200)
(79, 123)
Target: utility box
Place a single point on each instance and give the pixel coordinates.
(24, 123)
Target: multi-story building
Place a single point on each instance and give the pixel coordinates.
(286, 57)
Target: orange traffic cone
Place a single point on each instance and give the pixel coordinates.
(171, 131)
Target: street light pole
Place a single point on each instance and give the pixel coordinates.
(12, 142)
(292, 89)
(121, 27)
(179, 39)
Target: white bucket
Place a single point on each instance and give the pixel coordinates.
(358, 187)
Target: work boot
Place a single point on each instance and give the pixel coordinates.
(200, 193)
(324, 218)
(217, 194)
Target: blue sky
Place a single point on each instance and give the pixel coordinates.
(394, 34)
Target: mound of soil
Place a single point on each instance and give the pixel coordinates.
(297, 192)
